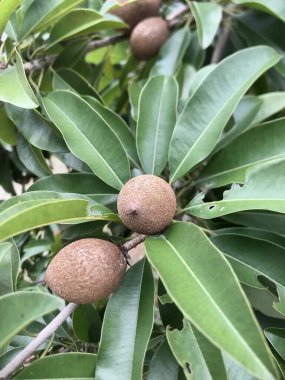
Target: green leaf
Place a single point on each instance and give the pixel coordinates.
(276, 337)
(135, 90)
(171, 53)
(274, 7)
(78, 183)
(156, 120)
(203, 271)
(127, 326)
(21, 308)
(9, 267)
(68, 79)
(89, 137)
(14, 86)
(86, 323)
(234, 370)
(80, 22)
(118, 126)
(42, 14)
(8, 131)
(257, 193)
(39, 208)
(200, 124)
(163, 364)
(208, 17)
(67, 365)
(32, 158)
(7, 7)
(272, 103)
(196, 354)
(35, 129)
(261, 144)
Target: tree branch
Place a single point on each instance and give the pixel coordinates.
(54, 324)
(220, 46)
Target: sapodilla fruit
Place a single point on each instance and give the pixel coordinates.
(146, 204)
(148, 37)
(135, 12)
(86, 270)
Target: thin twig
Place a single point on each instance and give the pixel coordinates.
(220, 46)
(35, 343)
(133, 243)
(174, 18)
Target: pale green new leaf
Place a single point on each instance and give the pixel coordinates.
(201, 122)
(8, 131)
(272, 103)
(208, 17)
(39, 208)
(9, 267)
(275, 7)
(261, 144)
(127, 326)
(21, 308)
(14, 86)
(263, 189)
(88, 136)
(156, 120)
(204, 271)
(193, 351)
(7, 7)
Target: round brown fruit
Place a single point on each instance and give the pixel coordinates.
(133, 13)
(148, 37)
(146, 204)
(86, 270)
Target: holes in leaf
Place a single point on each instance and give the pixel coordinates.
(188, 368)
(211, 207)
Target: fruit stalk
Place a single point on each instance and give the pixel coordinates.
(35, 343)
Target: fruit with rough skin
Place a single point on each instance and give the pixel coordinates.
(146, 204)
(135, 12)
(86, 270)
(148, 37)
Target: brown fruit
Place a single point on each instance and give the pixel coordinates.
(148, 37)
(146, 204)
(133, 13)
(86, 270)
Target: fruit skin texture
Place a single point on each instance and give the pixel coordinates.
(146, 204)
(86, 270)
(133, 13)
(148, 37)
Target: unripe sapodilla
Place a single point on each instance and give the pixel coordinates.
(135, 12)
(86, 270)
(146, 204)
(148, 37)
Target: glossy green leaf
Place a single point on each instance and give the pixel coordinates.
(171, 53)
(39, 208)
(257, 193)
(156, 120)
(88, 136)
(276, 337)
(21, 308)
(197, 356)
(200, 124)
(234, 370)
(35, 129)
(9, 267)
(250, 260)
(275, 7)
(7, 7)
(8, 131)
(80, 22)
(14, 86)
(208, 17)
(203, 271)
(32, 158)
(66, 365)
(198, 78)
(68, 79)
(163, 364)
(135, 90)
(118, 126)
(78, 183)
(127, 326)
(261, 144)
(272, 103)
(42, 14)
(87, 324)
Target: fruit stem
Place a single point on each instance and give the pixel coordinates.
(133, 243)
(35, 343)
